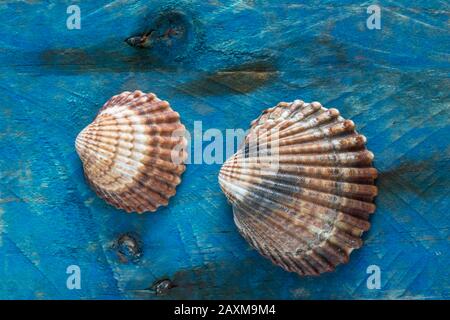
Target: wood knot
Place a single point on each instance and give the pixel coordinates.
(128, 248)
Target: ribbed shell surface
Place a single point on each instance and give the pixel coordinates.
(306, 200)
(133, 151)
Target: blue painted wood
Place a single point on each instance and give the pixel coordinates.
(236, 58)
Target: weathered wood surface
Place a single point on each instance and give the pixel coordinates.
(237, 58)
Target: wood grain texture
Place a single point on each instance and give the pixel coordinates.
(236, 59)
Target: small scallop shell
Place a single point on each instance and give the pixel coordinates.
(302, 187)
(133, 152)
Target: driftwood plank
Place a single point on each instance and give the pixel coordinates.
(232, 60)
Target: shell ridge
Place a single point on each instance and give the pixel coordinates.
(306, 194)
(128, 151)
(310, 214)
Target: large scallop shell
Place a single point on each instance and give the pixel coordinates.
(133, 151)
(305, 201)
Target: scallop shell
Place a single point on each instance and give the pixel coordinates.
(305, 201)
(133, 151)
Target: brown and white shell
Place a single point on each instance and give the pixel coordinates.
(305, 201)
(133, 151)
